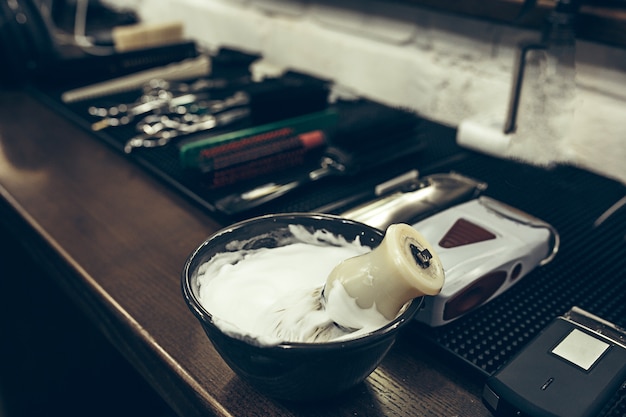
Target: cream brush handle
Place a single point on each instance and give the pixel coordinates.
(404, 266)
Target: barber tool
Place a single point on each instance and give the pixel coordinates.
(401, 268)
(573, 368)
(187, 69)
(334, 162)
(88, 69)
(162, 130)
(242, 154)
(199, 153)
(174, 116)
(367, 135)
(280, 153)
(143, 35)
(486, 247)
(166, 97)
(407, 199)
(170, 115)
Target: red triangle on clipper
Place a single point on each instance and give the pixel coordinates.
(464, 232)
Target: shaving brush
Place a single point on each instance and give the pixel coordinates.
(404, 266)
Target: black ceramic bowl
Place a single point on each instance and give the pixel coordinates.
(293, 371)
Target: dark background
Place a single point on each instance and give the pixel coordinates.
(53, 361)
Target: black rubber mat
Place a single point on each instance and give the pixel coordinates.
(589, 271)
(334, 192)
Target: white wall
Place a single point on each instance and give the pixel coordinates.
(447, 68)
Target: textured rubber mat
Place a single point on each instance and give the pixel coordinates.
(589, 271)
(327, 192)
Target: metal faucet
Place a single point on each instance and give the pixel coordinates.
(558, 37)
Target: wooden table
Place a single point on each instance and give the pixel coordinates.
(115, 239)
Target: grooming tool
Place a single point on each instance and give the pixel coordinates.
(354, 199)
(486, 247)
(259, 103)
(407, 201)
(164, 103)
(201, 153)
(200, 85)
(187, 69)
(171, 128)
(367, 135)
(404, 266)
(334, 162)
(279, 154)
(277, 99)
(143, 35)
(401, 268)
(165, 96)
(573, 368)
(89, 69)
(123, 114)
